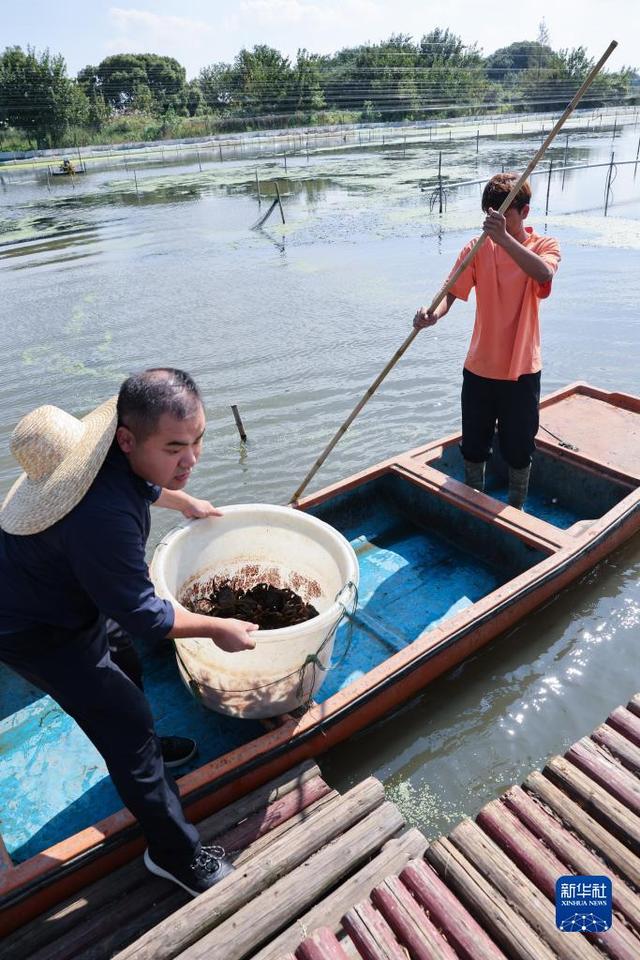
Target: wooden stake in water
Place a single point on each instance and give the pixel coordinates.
(607, 189)
(440, 178)
(199, 162)
(136, 182)
(285, 162)
(461, 268)
(478, 141)
(239, 424)
(258, 188)
(564, 163)
(635, 169)
(279, 201)
(546, 210)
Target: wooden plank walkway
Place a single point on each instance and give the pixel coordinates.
(320, 876)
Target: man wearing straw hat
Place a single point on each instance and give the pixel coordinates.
(511, 273)
(74, 586)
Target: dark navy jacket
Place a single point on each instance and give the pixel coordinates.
(90, 562)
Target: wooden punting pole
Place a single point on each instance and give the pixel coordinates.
(463, 266)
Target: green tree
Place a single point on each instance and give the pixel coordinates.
(217, 84)
(36, 95)
(138, 81)
(195, 101)
(261, 79)
(306, 83)
(451, 74)
(507, 63)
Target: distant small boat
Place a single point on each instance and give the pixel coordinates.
(443, 570)
(68, 168)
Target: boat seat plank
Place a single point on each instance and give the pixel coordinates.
(537, 533)
(626, 723)
(628, 754)
(193, 921)
(487, 904)
(371, 934)
(592, 833)
(266, 914)
(543, 868)
(411, 925)
(602, 430)
(570, 850)
(329, 912)
(459, 927)
(522, 894)
(597, 801)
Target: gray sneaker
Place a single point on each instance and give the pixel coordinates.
(208, 867)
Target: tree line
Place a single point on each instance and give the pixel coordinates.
(147, 96)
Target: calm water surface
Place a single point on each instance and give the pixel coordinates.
(103, 275)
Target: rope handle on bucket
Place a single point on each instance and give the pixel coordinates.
(313, 659)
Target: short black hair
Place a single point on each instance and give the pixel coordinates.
(498, 189)
(145, 396)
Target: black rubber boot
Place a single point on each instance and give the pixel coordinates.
(518, 486)
(474, 475)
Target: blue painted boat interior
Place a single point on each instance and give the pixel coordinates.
(560, 492)
(54, 783)
(421, 561)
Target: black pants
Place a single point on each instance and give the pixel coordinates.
(512, 404)
(77, 670)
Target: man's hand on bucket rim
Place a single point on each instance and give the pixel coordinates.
(229, 634)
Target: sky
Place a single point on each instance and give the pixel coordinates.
(200, 32)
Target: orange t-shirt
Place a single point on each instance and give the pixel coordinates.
(506, 335)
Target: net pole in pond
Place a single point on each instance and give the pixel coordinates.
(564, 163)
(199, 161)
(239, 424)
(546, 209)
(607, 190)
(457, 273)
(440, 178)
(279, 201)
(258, 189)
(635, 169)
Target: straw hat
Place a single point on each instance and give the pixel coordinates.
(61, 457)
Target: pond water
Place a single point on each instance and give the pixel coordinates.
(136, 265)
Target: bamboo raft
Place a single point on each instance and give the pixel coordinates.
(324, 876)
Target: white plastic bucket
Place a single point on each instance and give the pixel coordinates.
(255, 543)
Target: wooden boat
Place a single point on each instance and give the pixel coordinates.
(443, 570)
(68, 168)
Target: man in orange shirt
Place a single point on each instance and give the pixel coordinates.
(511, 273)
